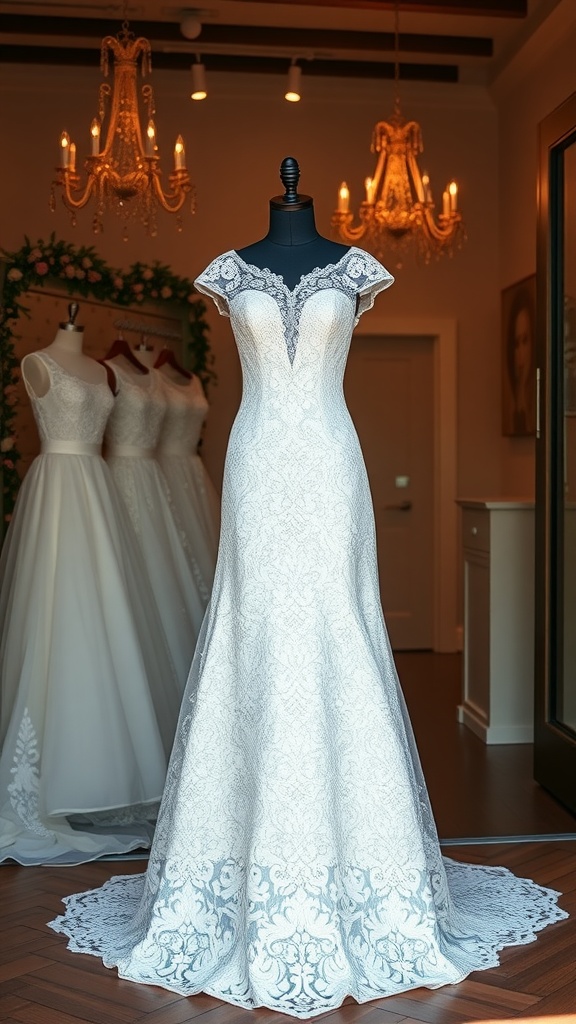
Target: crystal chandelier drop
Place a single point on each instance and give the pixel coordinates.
(398, 212)
(123, 173)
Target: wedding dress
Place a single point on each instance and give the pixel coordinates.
(89, 695)
(131, 437)
(296, 859)
(191, 492)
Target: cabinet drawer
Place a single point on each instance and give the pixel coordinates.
(476, 529)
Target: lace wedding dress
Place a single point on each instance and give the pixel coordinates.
(89, 694)
(190, 490)
(132, 434)
(296, 859)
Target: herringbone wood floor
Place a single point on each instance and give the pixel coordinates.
(475, 791)
(42, 983)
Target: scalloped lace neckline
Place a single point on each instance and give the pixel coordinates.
(279, 281)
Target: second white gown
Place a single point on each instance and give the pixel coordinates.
(132, 433)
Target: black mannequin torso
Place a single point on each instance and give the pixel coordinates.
(292, 246)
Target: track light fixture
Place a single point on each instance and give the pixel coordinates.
(293, 90)
(199, 90)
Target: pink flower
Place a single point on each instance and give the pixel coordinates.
(70, 270)
(14, 274)
(118, 283)
(80, 274)
(147, 274)
(140, 297)
(154, 293)
(41, 268)
(7, 443)
(64, 259)
(35, 254)
(165, 292)
(136, 288)
(94, 276)
(86, 262)
(10, 389)
(8, 464)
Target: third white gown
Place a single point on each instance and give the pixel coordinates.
(296, 859)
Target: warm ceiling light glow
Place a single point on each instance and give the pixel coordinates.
(292, 93)
(199, 90)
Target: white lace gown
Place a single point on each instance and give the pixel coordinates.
(132, 434)
(192, 496)
(296, 859)
(89, 696)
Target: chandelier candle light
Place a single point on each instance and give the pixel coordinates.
(124, 174)
(398, 208)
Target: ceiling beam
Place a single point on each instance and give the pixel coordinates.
(480, 8)
(300, 40)
(81, 57)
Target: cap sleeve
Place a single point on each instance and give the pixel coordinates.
(369, 277)
(219, 281)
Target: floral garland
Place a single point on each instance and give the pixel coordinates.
(83, 272)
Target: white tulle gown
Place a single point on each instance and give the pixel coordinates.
(132, 433)
(296, 859)
(191, 492)
(89, 695)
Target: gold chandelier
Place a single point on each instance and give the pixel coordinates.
(399, 211)
(124, 174)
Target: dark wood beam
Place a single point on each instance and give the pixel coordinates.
(300, 40)
(76, 57)
(480, 8)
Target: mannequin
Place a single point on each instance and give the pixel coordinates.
(66, 350)
(293, 247)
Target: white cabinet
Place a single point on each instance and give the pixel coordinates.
(498, 664)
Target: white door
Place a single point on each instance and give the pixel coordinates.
(389, 388)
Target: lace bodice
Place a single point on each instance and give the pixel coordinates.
(72, 409)
(139, 409)
(352, 283)
(187, 408)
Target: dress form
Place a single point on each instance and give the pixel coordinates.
(66, 350)
(293, 247)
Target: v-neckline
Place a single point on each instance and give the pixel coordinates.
(279, 280)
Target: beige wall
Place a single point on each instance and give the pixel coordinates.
(235, 142)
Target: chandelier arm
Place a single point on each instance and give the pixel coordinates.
(343, 223)
(179, 192)
(68, 196)
(441, 232)
(379, 172)
(416, 177)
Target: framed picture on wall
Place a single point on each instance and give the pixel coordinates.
(519, 358)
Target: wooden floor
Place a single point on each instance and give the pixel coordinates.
(475, 790)
(42, 983)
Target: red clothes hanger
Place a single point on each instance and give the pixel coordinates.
(167, 356)
(120, 347)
